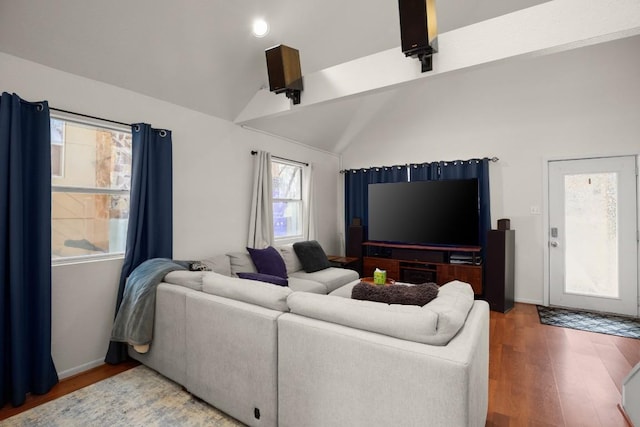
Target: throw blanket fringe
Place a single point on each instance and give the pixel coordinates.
(134, 321)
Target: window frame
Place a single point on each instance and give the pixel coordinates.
(301, 201)
(62, 146)
(93, 122)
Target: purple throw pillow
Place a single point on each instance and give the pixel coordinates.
(264, 278)
(268, 261)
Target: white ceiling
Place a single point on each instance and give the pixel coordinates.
(200, 54)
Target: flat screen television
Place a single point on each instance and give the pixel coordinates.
(441, 213)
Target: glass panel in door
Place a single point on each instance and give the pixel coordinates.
(591, 217)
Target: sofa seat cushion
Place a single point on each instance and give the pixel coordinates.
(332, 278)
(435, 323)
(301, 285)
(249, 291)
(345, 291)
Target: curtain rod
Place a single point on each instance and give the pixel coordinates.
(491, 159)
(90, 117)
(254, 152)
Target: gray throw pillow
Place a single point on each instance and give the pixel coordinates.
(311, 256)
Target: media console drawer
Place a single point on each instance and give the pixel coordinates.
(471, 274)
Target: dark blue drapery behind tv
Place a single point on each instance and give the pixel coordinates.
(356, 189)
(357, 181)
(150, 230)
(26, 365)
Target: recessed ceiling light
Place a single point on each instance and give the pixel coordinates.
(260, 28)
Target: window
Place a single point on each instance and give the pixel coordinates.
(287, 200)
(90, 182)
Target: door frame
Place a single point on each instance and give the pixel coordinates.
(545, 216)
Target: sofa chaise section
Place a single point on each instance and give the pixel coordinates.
(332, 374)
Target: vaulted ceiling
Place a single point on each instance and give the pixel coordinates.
(200, 54)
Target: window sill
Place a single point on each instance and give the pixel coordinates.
(288, 240)
(85, 259)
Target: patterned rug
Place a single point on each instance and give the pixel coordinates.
(137, 397)
(610, 324)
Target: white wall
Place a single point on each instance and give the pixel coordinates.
(575, 104)
(212, 172)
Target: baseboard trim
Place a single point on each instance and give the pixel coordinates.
(78, 369)
(529, 301)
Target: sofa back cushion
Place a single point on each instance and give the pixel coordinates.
(188, 279)
(452, 306)
(219, 264)
(290, 258)
(241, 262)
(249, 291)
(400, 321)
(435, 323)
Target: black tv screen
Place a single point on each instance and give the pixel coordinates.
(425, 212)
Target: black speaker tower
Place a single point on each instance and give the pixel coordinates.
(500, 269)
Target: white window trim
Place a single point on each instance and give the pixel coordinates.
(62, 151)
(86, 258)
(298, 237)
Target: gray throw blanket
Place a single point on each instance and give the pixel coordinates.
(396, 294)
(134, 321)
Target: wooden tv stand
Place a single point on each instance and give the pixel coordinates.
(420, 264)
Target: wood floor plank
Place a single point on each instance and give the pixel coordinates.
(614, 361)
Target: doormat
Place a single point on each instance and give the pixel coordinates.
(628, 327)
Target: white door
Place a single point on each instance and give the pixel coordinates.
(593, 246)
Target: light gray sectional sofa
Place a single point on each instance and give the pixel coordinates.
(294, 356)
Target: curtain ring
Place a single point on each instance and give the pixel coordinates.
(39, 107)
(136, 128)
(163, 133)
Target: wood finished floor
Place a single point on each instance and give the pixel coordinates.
(538, 375)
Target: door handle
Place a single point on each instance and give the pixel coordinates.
(553, 243)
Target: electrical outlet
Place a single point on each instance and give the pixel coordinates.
(534, 210)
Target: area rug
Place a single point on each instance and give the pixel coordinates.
(628, 327)
(137, 397)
